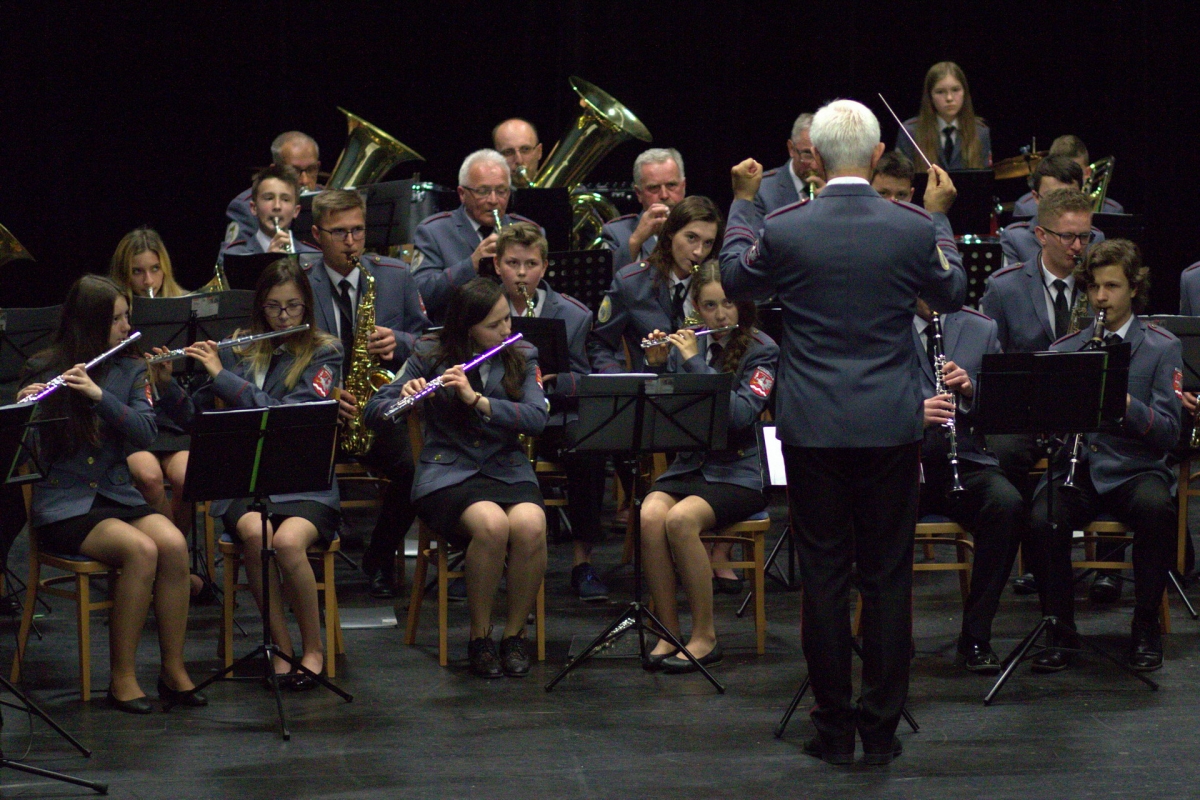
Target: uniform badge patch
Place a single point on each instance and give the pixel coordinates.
(150, 392)
(421, 300)
(605, 312)
(1178, 382)
(761, 382)
(323, 381)
(942, 258)
(752, 254)
(539, 376)
(231, 233)
(417, 258)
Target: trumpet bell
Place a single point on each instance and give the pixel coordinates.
(10, 248)
(368, 155)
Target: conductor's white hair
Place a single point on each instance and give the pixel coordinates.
(845, 133)
(656, 155)
(486, 155)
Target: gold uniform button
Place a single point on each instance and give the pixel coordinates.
(93, 484)
(438, 457)
(1095, 449)
(91, 460)
(476, 443)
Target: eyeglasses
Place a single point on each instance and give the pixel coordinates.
(312, 170)
(524, 150)
(482, 192)
(1068, 239)
(342, 233)
(290, 310)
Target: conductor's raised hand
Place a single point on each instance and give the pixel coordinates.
(747, 177)
(939, 191)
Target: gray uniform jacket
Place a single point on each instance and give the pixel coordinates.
(1027, 206)
(578, 319)
(776, 190)
(249, 246)
(444, 244)
(1189, 291)
(239, 213)
(967, 336)
(1016, 299)
(848, 268)
(633, 308)
(398, 304)
(126, 424)
(982, 131)
(616, 233)
(460, 442)
(1019, 243)
(1151, 425)
(752, 384)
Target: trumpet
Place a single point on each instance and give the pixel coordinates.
(810, 186)
(499, 226)
(57, 383)
(1094, 343)
(405, 403)
(225, 344)
(940, 388)
(530, 299)
(290, 247)
(655, 341)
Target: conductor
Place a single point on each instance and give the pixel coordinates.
(848, 268)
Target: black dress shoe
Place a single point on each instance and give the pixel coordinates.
(874, 756)
(678, 664)
(514, 656)
(300, 682)
(138, 705)
(382, 584)
(1024, 584)
(1058, 653)
(484, 660)
(1105, 589)
(727, 585)
(1146, 650)
(839, 754)
(654, 662)
(189, 697)
(978, 657)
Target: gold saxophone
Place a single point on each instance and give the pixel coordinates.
(530, 300)
(363, 375)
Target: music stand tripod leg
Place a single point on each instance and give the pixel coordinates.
(98, 788)
(791, 709)
(1179, 588)
(31, 707)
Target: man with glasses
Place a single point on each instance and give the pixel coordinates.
(451, 245)
(659, 183)
(339, 228)
(517, 141)
(291, 149)
(782, 186)
(1018, 240)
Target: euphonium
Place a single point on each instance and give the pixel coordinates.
(217, 283)
(363, 374)
(368, 155)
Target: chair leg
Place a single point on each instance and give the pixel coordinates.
(540, 618)
(443, 607)
(760, 592)
(417, 594)
(857, 626)
(232, 562)
(31, 590)
(331, 620)
(1164, 611)
(210, 543)
(83, 610)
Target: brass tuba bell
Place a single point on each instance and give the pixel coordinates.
(1096, 186)
(10, 248)
(368, 155)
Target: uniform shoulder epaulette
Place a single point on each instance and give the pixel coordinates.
(769, 173)
(762, 337)
(236, 242)
(524, 346)
(307, 265)
(570, 299)
(622, 218)
(386, 261)
(436, 217)
(788, 207)
(1006, 270)
(915, 209)
(520, 218)
(1019, 224)
(1192, 267)
(638, 267)
(1163, 331)
(1068, 336)
(979, 314)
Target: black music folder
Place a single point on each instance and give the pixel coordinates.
(549, 336)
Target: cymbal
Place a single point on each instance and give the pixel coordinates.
(1017, 166)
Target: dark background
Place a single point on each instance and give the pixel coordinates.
(117, 115)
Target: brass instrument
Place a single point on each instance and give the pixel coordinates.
(940, 388)
(1194, 442)
(497, 225)
(217, 283)
(290, 247)
(1079, 310)
(363, 375)
(520, 176)
(10, 248)
(530, 299)
(602, 124)
(810, 187)
(1094, 343)
(1096, 185)
(368, 155)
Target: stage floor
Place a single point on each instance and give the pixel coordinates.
(610, 730)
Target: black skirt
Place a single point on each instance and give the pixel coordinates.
(66, 536)
(443, 509)
(169, 442)
(326, 519)
(730, 503)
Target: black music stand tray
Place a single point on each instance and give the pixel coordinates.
(1038, 393)
(252, 453)
(646, 413)
(14, 422)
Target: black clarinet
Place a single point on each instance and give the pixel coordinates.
(950, 426)
(1094, 343)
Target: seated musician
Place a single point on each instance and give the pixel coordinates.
(87, 505)
(517, 141)
(291, 149)
(300, 368)
(451, 244)
(521, 253)
(893, 177)
(474, 485)
(706, 491)
(653, 294)
(1073, 148)
(659, 184)
(782, 186)
(946, 128)
(1121, 472)
(1019, 241)
(989, 506)
(275, 202)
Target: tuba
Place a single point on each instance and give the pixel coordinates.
(1096, 186)
(602, 124)
(10, 248)
(363, 375)
(368, 155)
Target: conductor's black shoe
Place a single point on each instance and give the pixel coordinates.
(138, 705)
(840, 753)
(1146, 650)
(878, 756)
(382, 583)
(679, 663)
(1105, 589)
(485, 663)
(1057, 655)
(977, 657)
(190, 698)
(1024, 584)
(514, 656)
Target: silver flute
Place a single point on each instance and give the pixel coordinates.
(650, 341)
(940, 388)
(1094, 343)
(57, 383)
(405, 403)
(225, 344)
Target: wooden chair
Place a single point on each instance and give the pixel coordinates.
(1106, 529)
(80, 571)
(751, 535)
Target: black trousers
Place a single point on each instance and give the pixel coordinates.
(390, 456)
(1017, 453)
(994, 512)
(1144, 503)
(853, 505)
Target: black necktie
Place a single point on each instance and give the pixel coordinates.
(677, 305)
(1062, 314)
(485, 231)
(948, 148)
(1111, 339)
(714, 355)
(345, 310)
(929, 343)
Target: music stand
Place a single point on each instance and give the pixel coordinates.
(14, 423)
(1040, 393)
(583, 274)
(253, 453)
(549, 336)
(645, 413)
(972, 209)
